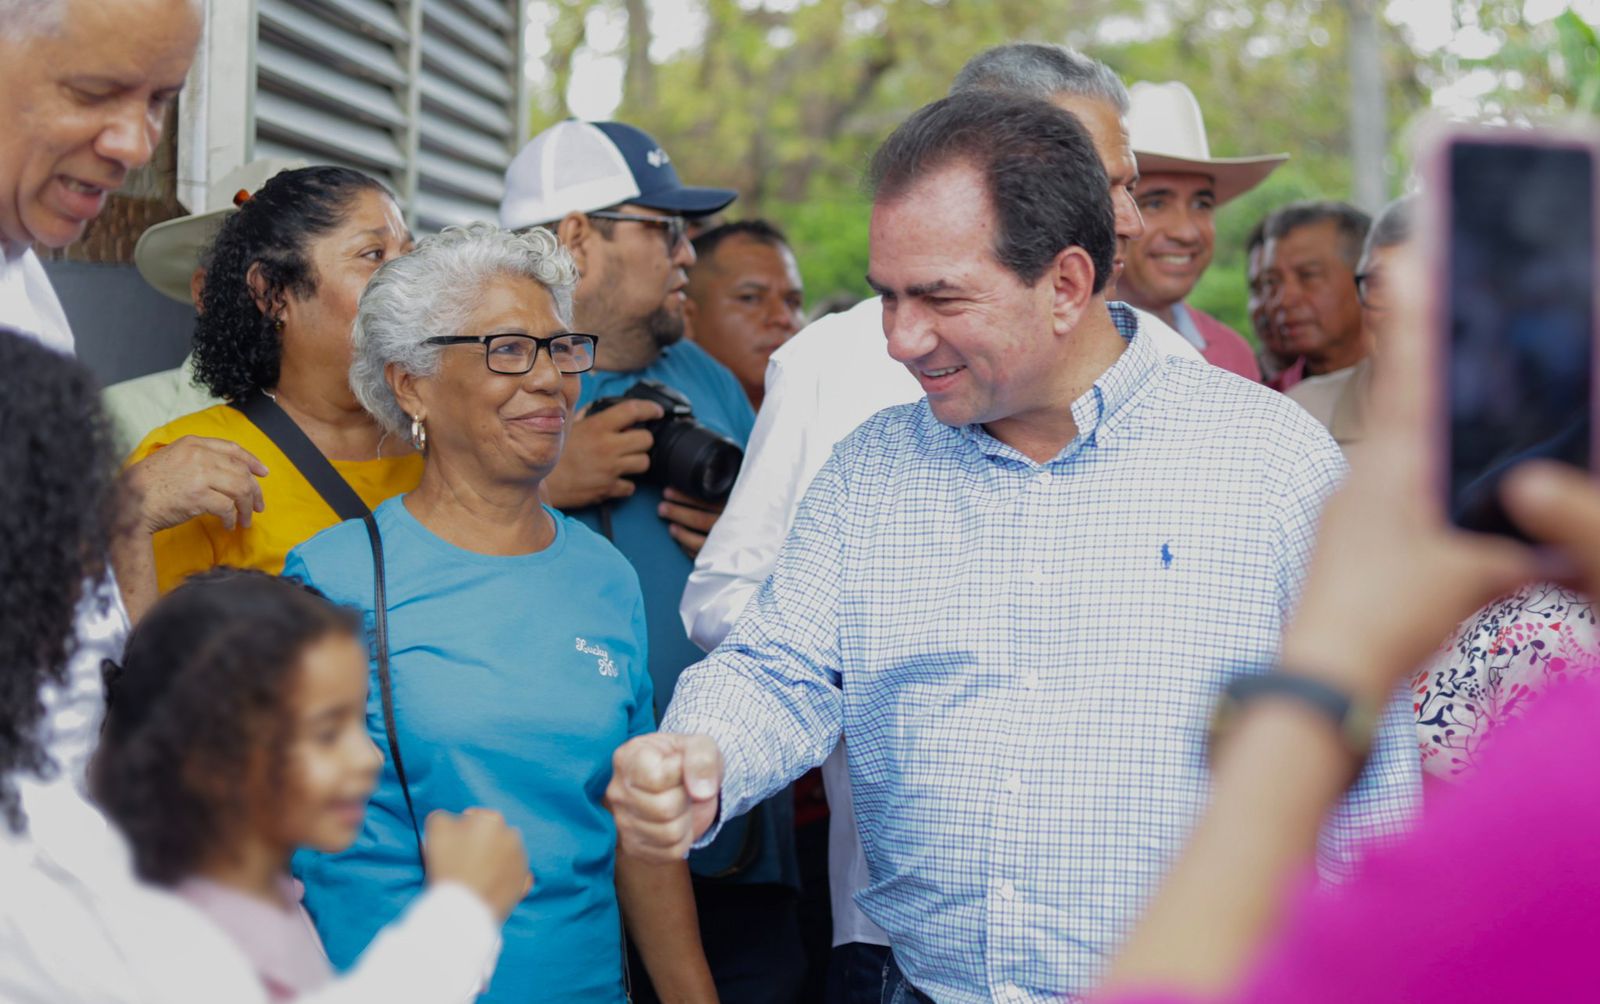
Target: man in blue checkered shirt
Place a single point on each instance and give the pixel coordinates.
(1017, 599)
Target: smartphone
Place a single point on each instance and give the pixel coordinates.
(1513, 215)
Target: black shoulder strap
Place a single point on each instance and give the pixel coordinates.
(265, 414)
(380, 622)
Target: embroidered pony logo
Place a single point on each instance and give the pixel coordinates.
(1166, 556)
(603, 658)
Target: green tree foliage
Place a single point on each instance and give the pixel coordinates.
(1540, 71)
(786, 99)
(1271, 78)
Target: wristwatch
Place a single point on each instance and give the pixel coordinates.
(1354, 720)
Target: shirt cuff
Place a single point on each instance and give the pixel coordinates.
(737, 786)
(460, 918)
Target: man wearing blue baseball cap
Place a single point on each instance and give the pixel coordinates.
(611, 195)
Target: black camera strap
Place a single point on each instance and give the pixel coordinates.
(265, 414)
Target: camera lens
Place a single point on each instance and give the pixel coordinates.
(693, 459)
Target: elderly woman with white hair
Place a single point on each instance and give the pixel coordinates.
(509, 640)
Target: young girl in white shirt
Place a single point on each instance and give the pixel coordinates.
(236, 734)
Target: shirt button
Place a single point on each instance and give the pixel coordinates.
(1008, 892)
(1037, 575)
(1030, 679)
(1014, 784)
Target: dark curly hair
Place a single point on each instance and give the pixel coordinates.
(203, 688)
(237, 349)
(56, 510)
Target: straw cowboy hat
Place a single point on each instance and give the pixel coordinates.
(1169, 135)
(168, 253)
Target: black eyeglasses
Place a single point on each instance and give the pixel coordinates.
(1372, 290)
(677, 227)
(515, 355)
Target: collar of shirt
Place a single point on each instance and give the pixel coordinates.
(277, 938)
(1100, 410)
(1183, 324)
(29, 305)
(599, 376)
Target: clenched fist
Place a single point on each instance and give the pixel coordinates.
(664, 793)
(483, 852)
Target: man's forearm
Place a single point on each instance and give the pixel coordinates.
(658, 907)
(133, 559)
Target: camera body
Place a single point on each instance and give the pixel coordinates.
(684, 454)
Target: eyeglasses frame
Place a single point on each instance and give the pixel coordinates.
(538, 344)
(1361, 290)
(677, 226)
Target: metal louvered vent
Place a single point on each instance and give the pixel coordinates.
(471, 113)
(426, 95)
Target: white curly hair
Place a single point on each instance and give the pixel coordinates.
(430, 291)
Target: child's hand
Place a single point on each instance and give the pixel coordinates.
(483, 852)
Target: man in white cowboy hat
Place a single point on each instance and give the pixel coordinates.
(168, 255)
(1180, 188)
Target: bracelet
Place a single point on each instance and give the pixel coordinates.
(1355, 721)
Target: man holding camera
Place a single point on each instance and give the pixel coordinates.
(649, 463)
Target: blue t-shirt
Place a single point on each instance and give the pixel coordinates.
(514, 680)
(641, 534)
(637, 529)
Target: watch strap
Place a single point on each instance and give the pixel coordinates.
(1354, 720)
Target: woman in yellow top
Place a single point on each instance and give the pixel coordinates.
(282, 281)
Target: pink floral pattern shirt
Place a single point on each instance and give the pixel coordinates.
(1497, 664)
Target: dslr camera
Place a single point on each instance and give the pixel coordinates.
(685, 454)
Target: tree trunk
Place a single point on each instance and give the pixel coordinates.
(1368, 125)
(639, 87)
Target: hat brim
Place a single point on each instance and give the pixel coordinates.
(168, 253)
(1232, 176)
(687, 201)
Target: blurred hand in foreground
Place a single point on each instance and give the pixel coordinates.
(1389, 576)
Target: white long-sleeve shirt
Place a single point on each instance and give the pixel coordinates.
(75, 923)
(820, 386)
(76, 926)
(73, 709)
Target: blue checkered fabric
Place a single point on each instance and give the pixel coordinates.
(1023, 659)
